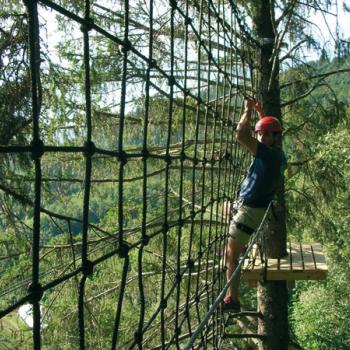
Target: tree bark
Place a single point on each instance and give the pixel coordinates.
(272, 295)
(273, 305)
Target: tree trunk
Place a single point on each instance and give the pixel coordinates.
(273, 305)
(272, 295)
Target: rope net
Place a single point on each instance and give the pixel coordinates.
(121, 205)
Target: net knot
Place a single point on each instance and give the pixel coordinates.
(123, 250)
(190, 264)
(37, 146)
(89, 149)
(171, 81)
(123, 157)
(168, 159)
(145, 240)
(145, 154)
(36, 292)
(87, 25)
(183, 156)
(152, 63)
(188, 21)
(165, 227)
(88, 268)
(126, 45)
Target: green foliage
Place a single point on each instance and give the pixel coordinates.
(320, 315)
(318, 204)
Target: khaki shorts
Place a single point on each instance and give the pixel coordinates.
(247, 216)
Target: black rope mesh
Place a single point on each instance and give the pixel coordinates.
(169, 163)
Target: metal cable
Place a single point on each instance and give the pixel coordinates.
(234, 276)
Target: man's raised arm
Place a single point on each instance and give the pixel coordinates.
(244, 135)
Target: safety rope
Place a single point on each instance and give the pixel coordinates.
(197, 160)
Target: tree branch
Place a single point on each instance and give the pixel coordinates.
(26, 201)
(322, 75)
(300, 97)
(294, 48)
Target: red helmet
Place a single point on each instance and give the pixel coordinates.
(268, 123)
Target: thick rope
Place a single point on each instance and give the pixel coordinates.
(205, 164)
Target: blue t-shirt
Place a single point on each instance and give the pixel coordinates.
(264, 176)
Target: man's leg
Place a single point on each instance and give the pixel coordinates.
(233, 251)
(242, 226)
(226, 210)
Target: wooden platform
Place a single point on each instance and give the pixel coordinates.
(305, 261)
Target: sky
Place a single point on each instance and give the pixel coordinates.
(343, 17)
(324, 33)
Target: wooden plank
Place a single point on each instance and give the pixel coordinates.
(296, 257)
(250, 261)
(248, 266)
(303, 262)
(257, 263)
(254, 270)
(251, 276)
(247, 263)
(279, 275)
(320, 259)
(301, 254)
(285, 262)
(308, 257)
(296, 275)
(273, 264)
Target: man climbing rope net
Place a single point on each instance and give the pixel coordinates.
(256, 192)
